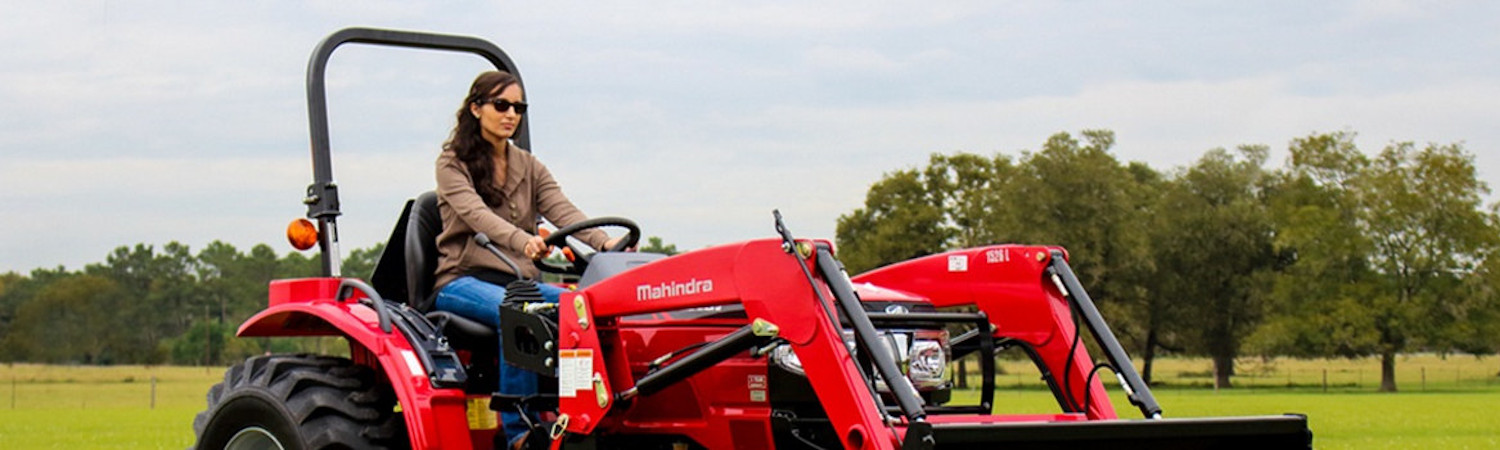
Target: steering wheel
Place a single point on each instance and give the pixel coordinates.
(581, 258)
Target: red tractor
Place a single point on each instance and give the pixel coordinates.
(759, 344)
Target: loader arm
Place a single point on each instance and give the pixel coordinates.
(595, 382)
(1031, 295)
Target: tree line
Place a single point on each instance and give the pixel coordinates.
(167, 305)
(149, 305)
(1333, 254)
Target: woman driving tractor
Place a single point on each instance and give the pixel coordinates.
(486, 184)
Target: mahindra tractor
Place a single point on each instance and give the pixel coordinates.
(755, 345)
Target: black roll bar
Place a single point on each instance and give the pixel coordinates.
(322, 196)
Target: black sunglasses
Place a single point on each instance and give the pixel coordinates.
(502, 105)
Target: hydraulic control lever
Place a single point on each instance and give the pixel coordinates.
(484, 241)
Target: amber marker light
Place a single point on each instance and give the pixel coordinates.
(302, 234)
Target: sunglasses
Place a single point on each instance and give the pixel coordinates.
(502, 105)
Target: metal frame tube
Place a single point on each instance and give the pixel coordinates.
(322, 196)
(1140, 393)
(866, 336)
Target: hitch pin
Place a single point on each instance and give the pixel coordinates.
(765, 350)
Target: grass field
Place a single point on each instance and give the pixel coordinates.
(112, 407)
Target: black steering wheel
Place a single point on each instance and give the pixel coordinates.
(580, 257)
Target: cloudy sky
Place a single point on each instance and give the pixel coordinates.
(154, 121)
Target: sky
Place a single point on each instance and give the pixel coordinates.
(147, 122)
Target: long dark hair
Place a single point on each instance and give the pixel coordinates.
(468, 143)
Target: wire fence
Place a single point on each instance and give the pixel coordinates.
(1413, 373)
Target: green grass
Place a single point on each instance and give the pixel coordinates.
(111, 407)
(1414, 373)
(1453, 408)
(101, 407)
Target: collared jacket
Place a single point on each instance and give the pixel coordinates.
(529, 191)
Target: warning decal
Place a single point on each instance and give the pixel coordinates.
(573, 371)
(958, 263)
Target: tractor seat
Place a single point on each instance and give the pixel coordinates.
(422, 226)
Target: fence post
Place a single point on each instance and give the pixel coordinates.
(1216, 378)
(963, 373)
(1424, 378)
(1325, 379)
(153, 392)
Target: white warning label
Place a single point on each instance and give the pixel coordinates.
(574, 367)
(958, 263)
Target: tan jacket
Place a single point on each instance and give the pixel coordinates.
(529, 190)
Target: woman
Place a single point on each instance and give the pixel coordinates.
(485, 184)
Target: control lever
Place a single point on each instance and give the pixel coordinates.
(484, 241)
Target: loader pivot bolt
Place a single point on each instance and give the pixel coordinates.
(600, 393)
(578, 307)
(802, 249)
(762, 327)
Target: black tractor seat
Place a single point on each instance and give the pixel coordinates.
(422, 227)
(461, 331)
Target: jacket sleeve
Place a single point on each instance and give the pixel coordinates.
(556, 207)
(457, 188)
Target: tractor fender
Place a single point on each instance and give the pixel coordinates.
(435, 417)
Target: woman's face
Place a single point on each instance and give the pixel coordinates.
(497, 125)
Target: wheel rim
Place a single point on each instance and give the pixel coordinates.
(254, 438)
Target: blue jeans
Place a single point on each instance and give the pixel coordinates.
(479, 300)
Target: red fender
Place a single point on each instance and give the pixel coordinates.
(435, 418)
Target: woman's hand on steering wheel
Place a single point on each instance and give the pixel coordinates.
(536, 248)
(615, 242)
(581, 258)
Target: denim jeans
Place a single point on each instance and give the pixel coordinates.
(479, 300)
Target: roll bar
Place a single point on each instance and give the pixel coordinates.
(322, 196)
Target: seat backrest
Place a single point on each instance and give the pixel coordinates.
(423, 224)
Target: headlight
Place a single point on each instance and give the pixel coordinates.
(928, 365)
(922, 355)
(786, 358)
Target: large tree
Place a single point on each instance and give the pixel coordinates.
(1424, 219)
(900, 220)
(969, 189)
(1318, 299)
(1214, 252)
(1387, 251)
(1076, 194)
(1071, 193)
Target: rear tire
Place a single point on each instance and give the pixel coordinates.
(300, 402)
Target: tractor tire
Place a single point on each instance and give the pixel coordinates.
(300, 402)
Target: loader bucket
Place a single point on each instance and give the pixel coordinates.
(1259, 432)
